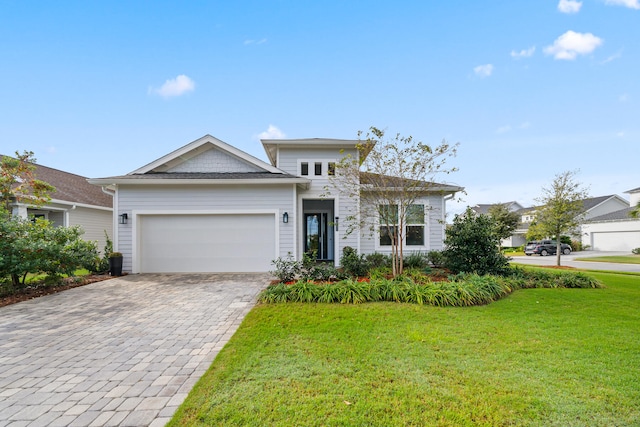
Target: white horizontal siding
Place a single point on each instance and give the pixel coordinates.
(203, 198)
(94, 222)
(434, 224)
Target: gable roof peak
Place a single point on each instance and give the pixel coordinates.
(197, 147)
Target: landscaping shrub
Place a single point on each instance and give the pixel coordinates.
(354, 265)
(636, 251)
(436, 258)
(377, 259)
(472, 246)
(287, 269)
(461, 290)
(415, 260)
(39, 247)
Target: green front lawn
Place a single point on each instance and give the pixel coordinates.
(622, 259)
(556, 357)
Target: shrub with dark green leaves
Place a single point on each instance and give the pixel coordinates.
(472, 246)
(286, 269)
(39, 247)
(354, 265)
(436, 258)
(377, 259)
(415, 260)
(636, 251)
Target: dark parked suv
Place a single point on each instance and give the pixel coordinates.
(546, 247)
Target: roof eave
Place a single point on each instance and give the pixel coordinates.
(161, 181)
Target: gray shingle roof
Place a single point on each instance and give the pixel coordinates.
(621, 215)
(72, 188)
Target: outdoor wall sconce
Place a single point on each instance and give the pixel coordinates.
(336, 223)
(285, 217)
(123, 218)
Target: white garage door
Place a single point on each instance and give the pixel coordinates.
(616, 240)
(206, 243)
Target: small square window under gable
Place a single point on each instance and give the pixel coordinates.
(304, 168)
(318, 168)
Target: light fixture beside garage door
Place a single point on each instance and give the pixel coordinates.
(285, 217)
(123, 218)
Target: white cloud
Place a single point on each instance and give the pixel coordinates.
(503, 129)
(624, 97)
(51, 150)
(569, 6)
(631, 4)
(612, 58)
(620, 134)
(525, 53)
(483, 70)
(525, 125)
(571, 44)
(250, 41)
(175, 87)
(272, 132)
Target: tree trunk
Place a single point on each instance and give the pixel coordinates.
(558, 252)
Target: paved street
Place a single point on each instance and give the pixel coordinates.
(123, 352)
(573, 260)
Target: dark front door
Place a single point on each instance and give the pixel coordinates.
(316, 236)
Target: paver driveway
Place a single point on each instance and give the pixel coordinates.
(125, 351)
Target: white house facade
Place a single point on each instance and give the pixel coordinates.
(209, 207)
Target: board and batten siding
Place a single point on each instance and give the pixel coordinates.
(205, 198)
(434, 207)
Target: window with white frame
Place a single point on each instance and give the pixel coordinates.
(414, 225)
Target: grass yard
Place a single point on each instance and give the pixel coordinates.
(622, 259)
(540, 357)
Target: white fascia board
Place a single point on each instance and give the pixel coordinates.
(79, 205)
(207, 139)
(160, 181)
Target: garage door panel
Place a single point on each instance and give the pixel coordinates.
(207, 243)
(616, 240)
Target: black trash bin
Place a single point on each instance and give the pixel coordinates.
(115, 264)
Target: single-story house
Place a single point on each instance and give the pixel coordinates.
(210, 207)
(614, 231)
(74, 202)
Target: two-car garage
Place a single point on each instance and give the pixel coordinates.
(198, 243)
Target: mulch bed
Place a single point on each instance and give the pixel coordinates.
(38, 290)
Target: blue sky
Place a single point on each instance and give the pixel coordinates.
(528, 88)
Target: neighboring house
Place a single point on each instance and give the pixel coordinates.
(593, 207)
(210, 207)
(517, 239)
(614, 231)
(75, 202)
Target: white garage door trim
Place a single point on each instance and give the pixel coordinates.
(136, 231)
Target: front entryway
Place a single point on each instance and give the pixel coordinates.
(318, 229)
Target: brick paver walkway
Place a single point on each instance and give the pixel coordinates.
(123, 352)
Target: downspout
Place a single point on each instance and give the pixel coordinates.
(114, 215)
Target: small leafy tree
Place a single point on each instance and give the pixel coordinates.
(561, 209)
(19, 183)
(506, 221)
(472, 245)
(391, 174)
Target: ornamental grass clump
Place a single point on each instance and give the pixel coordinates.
(461, 290)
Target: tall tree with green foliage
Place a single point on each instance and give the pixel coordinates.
(391, 174)
(561, 208)
(505, 221)
(18, 182)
